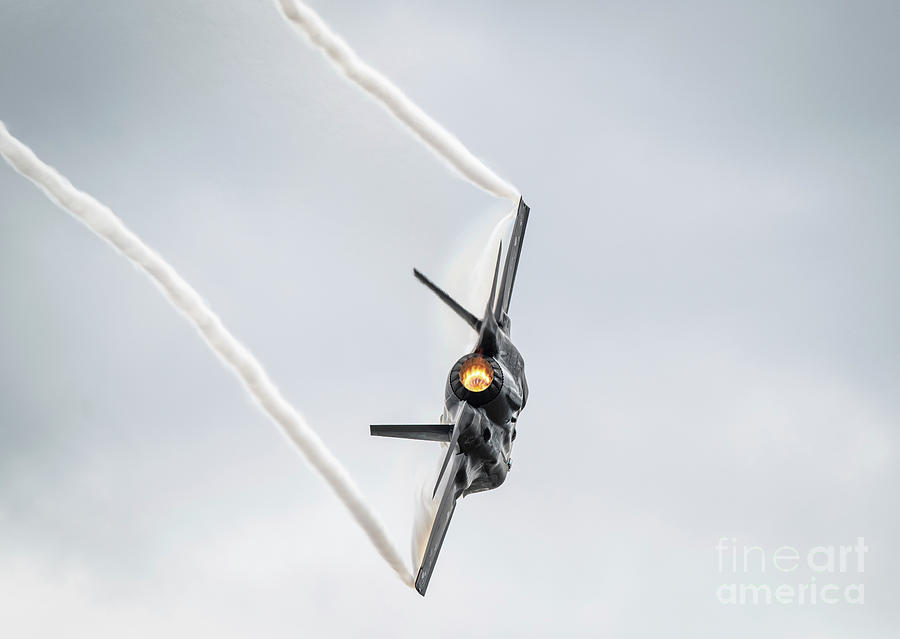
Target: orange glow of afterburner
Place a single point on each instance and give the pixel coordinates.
(476, 374)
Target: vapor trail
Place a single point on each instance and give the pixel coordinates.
(423, 126)
(102, 221)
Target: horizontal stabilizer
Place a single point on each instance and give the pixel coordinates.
(470, 319)
(426, 432)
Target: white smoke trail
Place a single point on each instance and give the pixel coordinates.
(102, 221)
(436, 137)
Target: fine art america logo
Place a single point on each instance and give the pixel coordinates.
(787, 575)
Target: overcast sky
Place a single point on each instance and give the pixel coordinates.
(708, 305)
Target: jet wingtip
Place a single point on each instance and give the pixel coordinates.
(421, 583)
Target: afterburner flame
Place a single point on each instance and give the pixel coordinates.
(476, 374)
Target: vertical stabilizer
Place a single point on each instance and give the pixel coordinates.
(487, 338)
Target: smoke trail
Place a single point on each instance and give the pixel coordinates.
(436, 137)
(102, 221)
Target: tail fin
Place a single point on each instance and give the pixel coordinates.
(469, 318)
(487, 335)
(492, 299)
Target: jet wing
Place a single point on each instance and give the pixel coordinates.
(512, 262)
(450, 493)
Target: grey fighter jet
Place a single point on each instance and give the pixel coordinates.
(484, 395)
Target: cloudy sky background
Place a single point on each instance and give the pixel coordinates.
(708, 305)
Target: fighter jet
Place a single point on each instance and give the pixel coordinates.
(484, 395)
